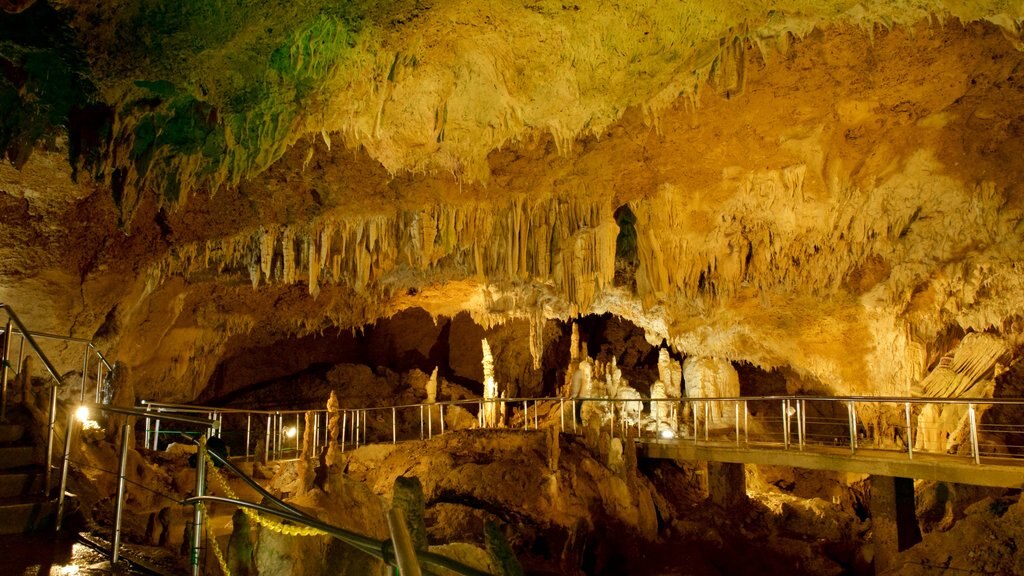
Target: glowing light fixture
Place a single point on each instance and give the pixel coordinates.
(290, 432)
(668, 434)
(82, 414)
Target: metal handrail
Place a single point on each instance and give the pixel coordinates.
(122, 466)
(381, 549)
(799, 429)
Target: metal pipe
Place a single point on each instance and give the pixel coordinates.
(405, 554)
(297, 435)
(248, 434)
(573, 415)
(394, 425)
(365, 425)
(375, 548)
(5, 355)
(746, 422)
(145, 437)
(785, 424)
(707, 419)
(64, 470)
(99, 381)
(737, 420)
(799, 425)
(441, 408)
(156, 435)
(12, 317)
(197, 513)
(421, 421)
(852, 422)
(344, 426)
(316, 431)
(910, 434)
(85, 371)
(49, 439)
(526, 416)
(974, 433)
(119, 503)
(430, 424)
(561, 415)
(267, 453)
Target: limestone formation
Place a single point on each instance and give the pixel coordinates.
(432, 387)
(711, 378)
(491, 404)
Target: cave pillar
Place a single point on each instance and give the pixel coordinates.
(727, 484)
(893, 519)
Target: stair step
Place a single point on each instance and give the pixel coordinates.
(11, 433)
(27, 515)
(16, 457)
(14, 483)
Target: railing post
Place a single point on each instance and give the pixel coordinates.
(974, 433)
(64, 469)
(197, 514)
(536, 416)
(526, 416)
(561, 415)
(5, 358)
(85, 371)
(366, 436)
(269, 442)
(298, 437)
(49, 439)
(573, 415)
(344, 426)
(910, 434)
(430, 423)
(852, 414)
(441, 408)
(737, 420)
(145, 437)
(394, 425)
(785, 424)
(119, 503)
(707, 419)
(99, 380)
(746, 421)
(248, 434)
(421, 421)
(156, 435)
(800, 423)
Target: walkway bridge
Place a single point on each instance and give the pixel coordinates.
(968, 440)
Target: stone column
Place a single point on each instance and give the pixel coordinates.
(727, 484)
(893, 519)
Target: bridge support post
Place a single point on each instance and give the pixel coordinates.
(727, 484)
(893, 519)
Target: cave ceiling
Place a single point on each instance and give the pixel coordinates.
(826, 185)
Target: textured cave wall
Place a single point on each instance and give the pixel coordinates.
(838, 201)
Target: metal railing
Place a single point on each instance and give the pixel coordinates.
(398, 551)
(122, 466)
(963, 428)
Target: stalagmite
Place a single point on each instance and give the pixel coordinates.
(491, 407)
(432, 387)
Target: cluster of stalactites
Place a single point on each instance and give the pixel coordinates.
(566, 242)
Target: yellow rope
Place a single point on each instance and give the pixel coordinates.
(216, 550)
(274, 525)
